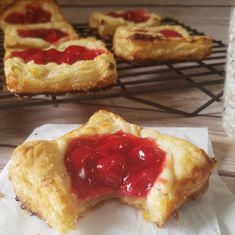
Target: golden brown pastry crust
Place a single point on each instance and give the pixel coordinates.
(42, 184)
(4, 4)
(19, 6)
(106, 25)
(30, 78)
(13, 40)
(134, 45)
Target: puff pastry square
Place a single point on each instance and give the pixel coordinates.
(106, 24)
(39, 35)
(162, 43)
(31, 12)
(31, 78)
(43, 185)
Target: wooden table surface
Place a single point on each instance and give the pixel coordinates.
(211, 17)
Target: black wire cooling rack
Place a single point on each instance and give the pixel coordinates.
(137, 80)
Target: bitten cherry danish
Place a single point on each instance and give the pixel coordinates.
(60, 180)
(106, 24)
(161, 43)
(76, 65)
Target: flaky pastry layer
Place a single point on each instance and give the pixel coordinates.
(106, 25)
(4, 4)
(43, 185)
(143, 44)
(30, 78)
(19, 6)
(13, 40)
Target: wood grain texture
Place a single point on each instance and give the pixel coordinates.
(212, 21)
(230, 182)
(164, 3)
(78, 113)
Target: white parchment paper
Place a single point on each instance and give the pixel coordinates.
(213, 214)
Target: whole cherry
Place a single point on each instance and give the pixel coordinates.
(143, 155)
(115, 142)
(112, 169)
(139, 183)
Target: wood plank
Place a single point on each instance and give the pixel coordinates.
(213, 22)
(20, 122)
(5, 154)
(197, 13)
(230, 182)
(135, 3)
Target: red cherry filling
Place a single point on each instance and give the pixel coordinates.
(115, 143)
(170, 33)
(49, 35)
(120, 162)
(143, 156)
(139, 183)
(69, 56)
(88, 156)
(136, 16)
(112, 169)
(33, 14)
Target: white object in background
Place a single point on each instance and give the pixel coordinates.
(229, 89)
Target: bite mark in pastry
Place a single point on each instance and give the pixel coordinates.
(40, 35)
(106, 24)
(161, 43)
(31, 12)
(78, 65)
(61, 180)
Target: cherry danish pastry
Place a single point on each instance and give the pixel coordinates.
(60, 180)
(77, 65)
(160, 43)
(106, 24)
(27, 12)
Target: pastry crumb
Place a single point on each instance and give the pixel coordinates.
(2, 195)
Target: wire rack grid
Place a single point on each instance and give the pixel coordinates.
(136, 80)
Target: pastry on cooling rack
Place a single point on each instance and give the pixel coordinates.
(31, 12)
(162, 43)
(78, 65)
(60, 180)
(40, 35)
(106, 24)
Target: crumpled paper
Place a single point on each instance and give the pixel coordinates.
(212, 214)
